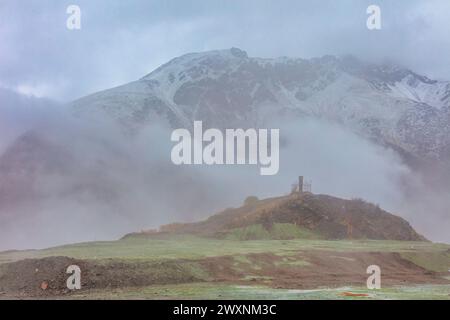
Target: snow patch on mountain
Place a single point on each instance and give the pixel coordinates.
(433, 93)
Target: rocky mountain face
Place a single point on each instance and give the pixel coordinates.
(388, 104)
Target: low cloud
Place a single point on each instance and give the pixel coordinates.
(113, 183)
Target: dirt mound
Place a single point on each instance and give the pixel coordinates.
(47, 276)
(32, 277)
(329, 217)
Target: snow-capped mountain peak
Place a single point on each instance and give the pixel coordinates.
(227, 88)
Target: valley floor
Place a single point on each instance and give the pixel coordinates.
(188, 267)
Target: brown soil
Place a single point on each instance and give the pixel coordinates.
(351, 294)
(32, 277)
(47, 276)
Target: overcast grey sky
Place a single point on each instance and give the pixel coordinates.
(121, 41)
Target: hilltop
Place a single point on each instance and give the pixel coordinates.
(298, 216)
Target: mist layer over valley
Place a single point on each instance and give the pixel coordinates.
(100, 167)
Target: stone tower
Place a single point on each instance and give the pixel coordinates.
(300, 184)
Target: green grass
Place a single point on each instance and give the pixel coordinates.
(291, 261)
(278, 231)
(434, 261)
(189, 247)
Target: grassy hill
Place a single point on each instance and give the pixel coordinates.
(306, 216)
